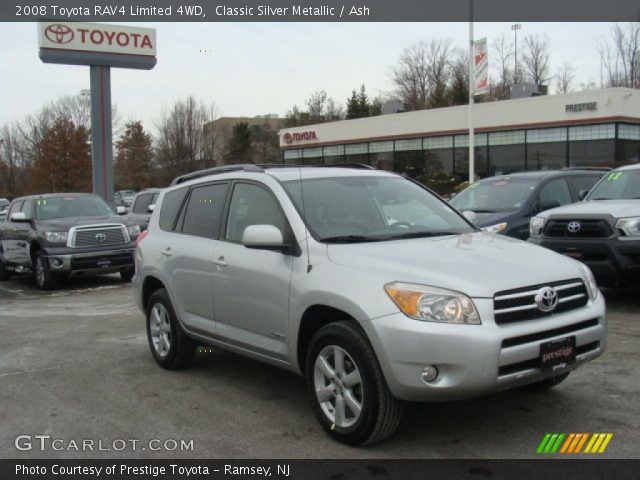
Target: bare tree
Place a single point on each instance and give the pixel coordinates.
(14, 171)
(620, 56)
(316, 106)
(535, 59)
(565, 78)
(502, 55)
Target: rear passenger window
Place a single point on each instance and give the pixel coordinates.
(555, 191)
(142, 204)
(582, 183)
(204, 211)
(169, 208)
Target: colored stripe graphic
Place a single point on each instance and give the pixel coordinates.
(573, 443)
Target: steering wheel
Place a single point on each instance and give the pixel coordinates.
(400, 224)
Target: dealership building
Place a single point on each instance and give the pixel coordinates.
(592, 128)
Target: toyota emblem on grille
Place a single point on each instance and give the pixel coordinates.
(546, 299)
(573, 227)
(101, 237)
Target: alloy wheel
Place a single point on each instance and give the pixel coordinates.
(160, 330)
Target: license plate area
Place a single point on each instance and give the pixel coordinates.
(103, 263)
(557, 354)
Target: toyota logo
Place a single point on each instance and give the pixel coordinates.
(101, 237)
(58, 33)
(546, 299)
(288, 138)
(573, 227)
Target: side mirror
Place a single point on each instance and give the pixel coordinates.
(470, 215)
(267, 237)
(120, 210)
(582, 194)
(19, 217)
(548, 205)
(151, 208)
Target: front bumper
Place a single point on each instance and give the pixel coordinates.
(610, 259)
(66, 260)
(475, 360)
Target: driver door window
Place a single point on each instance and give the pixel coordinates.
(555, 191)
(252, 205)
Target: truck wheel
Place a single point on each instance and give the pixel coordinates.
(170, 346)
(543, 385)
(4, 273)
(45, 279)
(346, 387)
(127, 273)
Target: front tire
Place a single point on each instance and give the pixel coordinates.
(45, 279)
(4, 273)
(127, 273)
(346, 387)
(170, 346)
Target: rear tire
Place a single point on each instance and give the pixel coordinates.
(127, 273)
(346, 387)
(170, 346)
(548, 383)
(45, 279)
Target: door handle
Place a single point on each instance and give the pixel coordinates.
(166, 252)
(220, 261)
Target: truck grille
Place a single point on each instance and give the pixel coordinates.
(591, 228)
(99, 236)
(519, 305)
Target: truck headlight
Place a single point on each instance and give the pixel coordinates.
(56, 237)
(497, 228)
(590, 281)
(134, 231)
(432, 304)
(630, 226)
(536, 224)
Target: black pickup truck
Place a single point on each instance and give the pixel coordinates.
(62, 234)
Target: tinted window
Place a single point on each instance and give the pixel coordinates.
(169, 209)
(204, 211)
(142, 204)
(252, 205)
(581, 183)
(555, 191)
(14, 208)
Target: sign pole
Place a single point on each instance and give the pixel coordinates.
(101, 141)
(471, 89)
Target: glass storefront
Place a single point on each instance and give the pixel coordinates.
(502, 152)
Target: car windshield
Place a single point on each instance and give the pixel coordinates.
(500, 195)
(71, 206)
(620, 185)
(360, 209)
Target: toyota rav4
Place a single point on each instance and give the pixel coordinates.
(366, 283)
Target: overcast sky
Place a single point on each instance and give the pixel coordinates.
(251, 69)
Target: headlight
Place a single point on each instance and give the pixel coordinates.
(536, 225)
(590, 281)
(432, 304)
(497, 228)
(630, 226)
(134, 231)
(56, 237)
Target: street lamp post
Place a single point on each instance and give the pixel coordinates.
(471, 92)
(515, 27)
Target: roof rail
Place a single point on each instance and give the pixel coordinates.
(591, 169)
(249, 167)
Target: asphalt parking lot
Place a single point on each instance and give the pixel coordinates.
(75, 364)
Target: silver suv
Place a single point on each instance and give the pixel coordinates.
(366, 283)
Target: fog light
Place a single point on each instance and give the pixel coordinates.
(56, 262)
(429, 374)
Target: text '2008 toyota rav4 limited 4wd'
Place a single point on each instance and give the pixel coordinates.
(372, 287)
(61, 234)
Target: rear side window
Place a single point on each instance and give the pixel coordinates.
(582, 183)
(170, 207)
(204, 210)
(555, 191)
(142, 204)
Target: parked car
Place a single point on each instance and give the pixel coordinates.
(124, 197)
(603, 231)
(55, 235)
(363, 281)
(505, 204)
(142, 207)
(4, 208)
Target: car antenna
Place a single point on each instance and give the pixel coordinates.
(304, 220)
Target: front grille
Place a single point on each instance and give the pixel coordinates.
(99, 236)
(591, 228)
(519, 305)
(534, 337)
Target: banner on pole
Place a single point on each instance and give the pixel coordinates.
(481, 67)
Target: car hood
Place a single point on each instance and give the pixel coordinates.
(63, 224)
(614, 208)
(477, 264)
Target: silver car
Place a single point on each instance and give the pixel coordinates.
(364, 282)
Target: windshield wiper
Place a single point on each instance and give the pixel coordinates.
(419, 235)
(349, 239)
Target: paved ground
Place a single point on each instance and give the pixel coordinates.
(75, 364)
